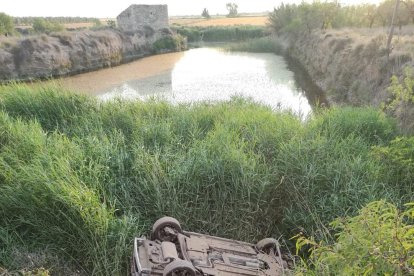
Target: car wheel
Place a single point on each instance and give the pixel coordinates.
(268, 245)
(166, 229)
(179, 268)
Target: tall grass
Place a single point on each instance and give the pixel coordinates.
(221, 33)
(259, 45)
(80, 178)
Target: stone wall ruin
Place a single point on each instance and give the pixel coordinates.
(138, 18)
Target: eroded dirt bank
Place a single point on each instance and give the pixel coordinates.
(351, 66)
(68, 53)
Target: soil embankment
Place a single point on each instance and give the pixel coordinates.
(352, 67)
(68, 53)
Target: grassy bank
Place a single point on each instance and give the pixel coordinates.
(221, 33)
(80, 178)
(266, 44)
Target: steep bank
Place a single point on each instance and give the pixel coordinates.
(351, 65)
(67, 53)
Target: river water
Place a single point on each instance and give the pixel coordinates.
(203, 74)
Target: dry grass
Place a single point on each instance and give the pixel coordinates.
(403, 40)
(79, 25)
(222, 21)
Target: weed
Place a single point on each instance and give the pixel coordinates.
(80, 178)
(259, 45)
(221, 33)
(378, 241)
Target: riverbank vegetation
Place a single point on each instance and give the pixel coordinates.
(346, 51)
(6, 24)
(378, 241)
(306, 16)
(266, 44)
(80, 178)
(221, 33)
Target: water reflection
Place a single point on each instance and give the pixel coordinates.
(214, 75)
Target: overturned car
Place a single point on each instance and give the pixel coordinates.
(174, 252)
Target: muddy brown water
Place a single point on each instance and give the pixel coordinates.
(203, 74)
(94, 83)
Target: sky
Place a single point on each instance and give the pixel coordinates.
(110, 9)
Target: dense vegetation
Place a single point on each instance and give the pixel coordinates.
(266, 44)
(221, 33)
(170, 43)
(60, 20)
(41, 25)
(378, 241)
(330, 14)
(6, 24)
(80, 178)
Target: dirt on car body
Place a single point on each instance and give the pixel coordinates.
(173, 252)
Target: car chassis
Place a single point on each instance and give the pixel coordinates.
(174, 252)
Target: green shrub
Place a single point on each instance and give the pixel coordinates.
(402, 91)
(221, 33)
(378, 241)
(259, 45)
(6, 24)
(41, 25)
(170, 43)
(398, 158)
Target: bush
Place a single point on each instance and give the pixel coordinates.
(259, 45)
(402, 91)
(221, 33)
(398, 158)
(41, 25)
(6, 24)
(378, 241)
(170, 43)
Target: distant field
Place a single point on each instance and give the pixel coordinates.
(224, 21)
(79, 25)
(221, 21)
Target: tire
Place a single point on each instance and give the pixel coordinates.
(179, 268)
(158, 229)
(267, 245)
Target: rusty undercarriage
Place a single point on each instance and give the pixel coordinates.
(174, 252)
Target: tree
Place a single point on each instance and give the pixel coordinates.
(310, 15)
(232, 8)
(6, 24)
(397, 4)
(205, 13)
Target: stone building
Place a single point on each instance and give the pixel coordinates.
(140, 17)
